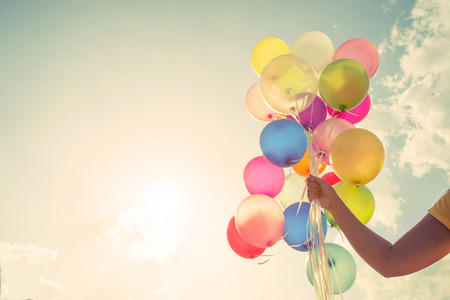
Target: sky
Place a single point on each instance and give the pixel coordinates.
(124, 136)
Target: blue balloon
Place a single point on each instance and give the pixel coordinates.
(296, 226)
(283, 142)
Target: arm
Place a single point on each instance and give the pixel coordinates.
(426, 243)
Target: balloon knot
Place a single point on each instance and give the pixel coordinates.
(342, 108)
(330, 262)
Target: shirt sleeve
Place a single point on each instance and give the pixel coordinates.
(441, 209)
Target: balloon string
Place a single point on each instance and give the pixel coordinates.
(317, 255)
(335, 275)
(248, 269)
(292, 225)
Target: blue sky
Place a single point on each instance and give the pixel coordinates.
(124, 136)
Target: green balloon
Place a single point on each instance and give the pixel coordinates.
(359, 199)
(344, 268)
(343, 84)
(292, 191)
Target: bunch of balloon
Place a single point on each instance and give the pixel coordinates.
(311, 98)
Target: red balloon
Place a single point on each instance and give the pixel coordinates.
(240, 246)
(331, 178)
(260, 220)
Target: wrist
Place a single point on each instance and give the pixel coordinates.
(335, 204)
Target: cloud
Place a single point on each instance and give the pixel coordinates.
(387, 203)
(166, 292)
(144, 238)
(29, 254)
(420, 91)
(51, 290)
(4, 291)
(429, 283)
(426, 284)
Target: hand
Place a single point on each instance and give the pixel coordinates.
(319, 188)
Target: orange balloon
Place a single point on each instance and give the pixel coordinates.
(303, 166)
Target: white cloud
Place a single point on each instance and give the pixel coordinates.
(166, 292)
(419, 107)
(144, 238)
(4, 291)
(29, 254)
(421, 285)
(387, 204)
(430, 283)
(387, 6)
(51, 290)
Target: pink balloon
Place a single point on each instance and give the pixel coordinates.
(326, 133)
(331, 178)
(260, 220)
(256, 106)
(263, 177)
(240, 246)
(354, 115)
(362, 51)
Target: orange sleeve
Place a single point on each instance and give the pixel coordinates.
(441, 209)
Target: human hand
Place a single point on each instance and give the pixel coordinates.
(322, 190)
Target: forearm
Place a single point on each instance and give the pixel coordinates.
(427, 242)
(374, 249)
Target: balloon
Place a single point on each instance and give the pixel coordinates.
(283, 142)
(331, 178)
(358, 199)
(343, 84)
(263, 177)
(260, 220)
(316, 47)
(344, 266)
(303, 166)
(354, 115)
(256, 106)
(288, 84)
(239, 245)
(362, 51)
(296, 230)
(266, 50)
(313, 115)
(357, 156)
(292, 191)
(326, 133)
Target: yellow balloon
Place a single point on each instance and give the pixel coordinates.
(288, 84)
(358, 199)
(266, 50)
(357, 156)
(343, 84)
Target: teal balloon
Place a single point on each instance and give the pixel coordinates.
(283, 142)
(344, 265)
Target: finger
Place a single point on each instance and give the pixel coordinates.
(313, 185)
(312, 196)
